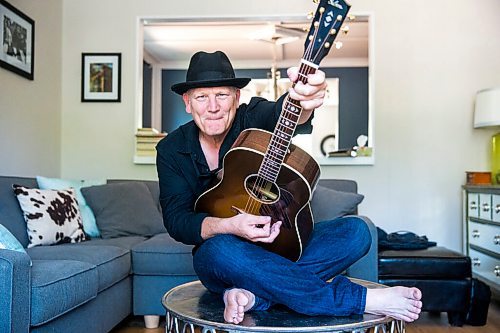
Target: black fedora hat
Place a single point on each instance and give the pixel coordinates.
(209, 70)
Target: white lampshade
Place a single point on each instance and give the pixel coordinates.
(487, 109)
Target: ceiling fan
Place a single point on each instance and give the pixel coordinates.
(278, 34)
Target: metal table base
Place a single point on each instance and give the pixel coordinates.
(191, 308)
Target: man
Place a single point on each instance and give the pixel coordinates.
(226, 257)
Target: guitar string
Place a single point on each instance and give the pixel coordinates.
(252, 204)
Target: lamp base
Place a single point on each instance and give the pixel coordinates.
(495, 159)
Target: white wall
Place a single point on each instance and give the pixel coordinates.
(429, 62)
(30, 111)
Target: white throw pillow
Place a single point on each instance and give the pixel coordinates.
(52, 216)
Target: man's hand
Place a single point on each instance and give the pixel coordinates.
(255, 228)
(310, 95)
(252, 227)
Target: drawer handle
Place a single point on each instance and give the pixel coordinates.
(497, 271)
(476, 262)
(496, 240)
(475, 233)
(486, 207)
(473, 205)
(497, 209)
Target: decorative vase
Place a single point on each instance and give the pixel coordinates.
(495, 159)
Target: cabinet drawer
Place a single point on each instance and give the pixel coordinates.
(495, 202)
(473, 204)
(485, 206)
(485, 236)
(485, 266)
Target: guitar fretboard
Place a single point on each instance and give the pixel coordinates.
(283, 132)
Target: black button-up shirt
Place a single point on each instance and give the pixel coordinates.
(183, 171)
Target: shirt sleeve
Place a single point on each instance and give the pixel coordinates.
(177, 200)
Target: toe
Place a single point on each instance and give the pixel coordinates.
(242, 301)
(417, 294)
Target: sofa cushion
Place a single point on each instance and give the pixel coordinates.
(113, 263)
(52, 216)
(175, 257)
(58, 286)
(11, 215)
(328, 204)
(124, 209)
(123, 242)
(88, 218)
(152, 185)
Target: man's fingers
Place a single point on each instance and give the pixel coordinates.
(316, 79)
(261, 220)
(274, 232)
(293, 73)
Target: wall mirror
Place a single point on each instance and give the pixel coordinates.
(263, 48)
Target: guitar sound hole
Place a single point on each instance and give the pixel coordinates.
(261, 189)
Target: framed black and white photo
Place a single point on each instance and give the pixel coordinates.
(101, 77)
(17, 31)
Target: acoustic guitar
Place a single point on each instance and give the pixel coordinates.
(264, 173)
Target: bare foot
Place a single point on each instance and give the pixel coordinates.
(237, 301)
(401, 303)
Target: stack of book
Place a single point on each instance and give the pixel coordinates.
(146, 141)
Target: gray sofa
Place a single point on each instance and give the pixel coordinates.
(93, 285)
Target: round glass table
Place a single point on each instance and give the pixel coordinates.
(192, 308)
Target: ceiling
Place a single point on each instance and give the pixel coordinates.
(249, 41)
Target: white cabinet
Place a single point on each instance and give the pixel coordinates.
(482, 232)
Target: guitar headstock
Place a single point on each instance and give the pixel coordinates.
(324, 29)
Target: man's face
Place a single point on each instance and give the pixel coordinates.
(213, 109)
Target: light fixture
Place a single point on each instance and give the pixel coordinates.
(487, 114)
(487, 108)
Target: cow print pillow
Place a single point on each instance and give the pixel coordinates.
(52, 216)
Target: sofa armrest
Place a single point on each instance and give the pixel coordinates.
(15, 288)
(366, 268)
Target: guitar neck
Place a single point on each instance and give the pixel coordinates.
(324, 29)
(284, 130)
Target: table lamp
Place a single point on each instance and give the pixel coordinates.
(487, 114)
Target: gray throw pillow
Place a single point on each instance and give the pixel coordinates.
(124, 209)
(328, 204)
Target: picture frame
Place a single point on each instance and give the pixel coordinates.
(17, 33)
(101, 77)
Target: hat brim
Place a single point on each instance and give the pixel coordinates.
(181, 88)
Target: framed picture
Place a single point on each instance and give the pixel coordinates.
(101, 77)
(18, 40)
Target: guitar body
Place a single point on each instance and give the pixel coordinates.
(286, 199)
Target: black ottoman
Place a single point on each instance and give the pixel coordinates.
(443, 276)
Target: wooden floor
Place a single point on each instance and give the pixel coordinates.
(426, 323)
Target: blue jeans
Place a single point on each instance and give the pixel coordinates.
(226, 261)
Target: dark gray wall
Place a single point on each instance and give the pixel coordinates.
(353, 100)
(147, 75)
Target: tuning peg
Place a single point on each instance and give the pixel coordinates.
(338, 45)
(351, 17)
(345, 29)
(315, 1)
(310, 15)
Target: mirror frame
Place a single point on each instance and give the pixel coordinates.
(156, 111)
